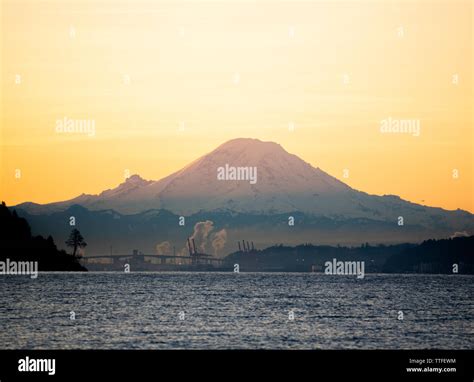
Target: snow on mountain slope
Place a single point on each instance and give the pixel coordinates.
(283, 181)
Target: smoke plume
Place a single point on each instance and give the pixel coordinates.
(163, 248)
(219, 240)
(201, 234)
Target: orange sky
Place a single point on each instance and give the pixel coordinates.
(142, 70)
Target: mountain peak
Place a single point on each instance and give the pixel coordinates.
(240, 145)
(136, 179)
(247, 141)
(133, 182)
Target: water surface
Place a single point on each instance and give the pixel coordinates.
(227, 310)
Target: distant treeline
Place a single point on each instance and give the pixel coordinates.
(432, 256)
(435, 256)
(17, 244)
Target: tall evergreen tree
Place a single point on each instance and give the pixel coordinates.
(75, 241)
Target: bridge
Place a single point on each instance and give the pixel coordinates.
(195, 259)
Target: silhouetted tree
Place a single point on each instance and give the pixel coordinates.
(75, 241)
(17, 243)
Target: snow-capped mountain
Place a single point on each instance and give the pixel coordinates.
(284, 183)
(142, 213)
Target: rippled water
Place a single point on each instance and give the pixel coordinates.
(226, 310)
